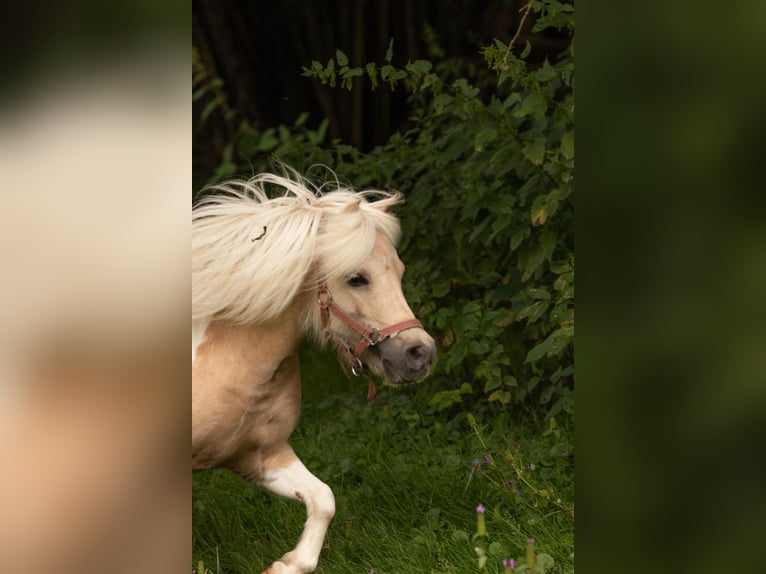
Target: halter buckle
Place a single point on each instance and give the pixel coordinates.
(357, 367)
(323, 297)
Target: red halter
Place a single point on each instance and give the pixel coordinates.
(370, 337)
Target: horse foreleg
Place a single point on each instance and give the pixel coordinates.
(292, 479)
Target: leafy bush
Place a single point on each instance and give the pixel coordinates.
(487, 169)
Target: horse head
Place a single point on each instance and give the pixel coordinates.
(366, 314)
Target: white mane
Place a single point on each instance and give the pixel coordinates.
(251, 255)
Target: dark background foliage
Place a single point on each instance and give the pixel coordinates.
(258, 48)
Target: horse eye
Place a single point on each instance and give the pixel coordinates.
(358, 280)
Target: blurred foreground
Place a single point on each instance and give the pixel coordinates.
(94, 157)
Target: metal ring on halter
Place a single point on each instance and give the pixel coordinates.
(357, 367)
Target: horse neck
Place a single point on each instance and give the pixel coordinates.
(265, 341)
(286, 330)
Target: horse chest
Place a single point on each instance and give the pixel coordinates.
(244, 405)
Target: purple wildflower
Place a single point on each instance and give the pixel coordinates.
(475, 463)
(480, 509)
(487, 459)
(508, 564)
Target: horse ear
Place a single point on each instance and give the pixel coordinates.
(386, 204)
(352, 206)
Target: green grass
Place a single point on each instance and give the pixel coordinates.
(406, 488)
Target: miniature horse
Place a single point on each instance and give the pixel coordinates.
(265, 273)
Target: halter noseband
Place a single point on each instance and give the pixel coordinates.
(370, 337)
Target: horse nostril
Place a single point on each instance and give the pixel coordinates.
(417, 356)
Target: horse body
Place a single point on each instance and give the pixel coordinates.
(246, 382)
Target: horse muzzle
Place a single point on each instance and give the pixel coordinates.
(408, 356)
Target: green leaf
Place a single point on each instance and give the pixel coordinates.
(553, 345)
(466, 89)
(459, 351)
(533, 105)
(511, 100)
(390, 51)
(537, 352)
(341, 58)
(530, 260)
(526, 51)
(431, 80)
(567, 145)
(397, 75)
(227, 153)
(441, 289)
(372, 73)
(535, 151)
(548, 242)
(503, 397)
(441, 101)
(538, 213)
(539, 293)
(209, 109)
(198, 93)
(546, 395)
(317, 137)
(533, 312)
(519, 235)
(419, 67)
(560, 266)
(268, 141)
(562, 373)
(492, 385)
(485, 136)
(445, 399)
(479, 228)
(224, 171)
(347, 76)
(479, 348)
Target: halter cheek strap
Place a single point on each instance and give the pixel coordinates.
(370, 337)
